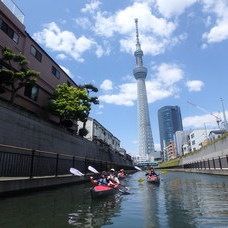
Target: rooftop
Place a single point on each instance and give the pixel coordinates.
(14, 9)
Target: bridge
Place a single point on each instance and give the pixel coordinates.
(147, 164)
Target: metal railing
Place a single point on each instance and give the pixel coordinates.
(14, 9)
(214, 163)
(26, 162)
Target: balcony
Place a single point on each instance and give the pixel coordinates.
(14, 9)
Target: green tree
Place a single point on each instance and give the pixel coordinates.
(71, 103)
(16, 79)
(89, 88)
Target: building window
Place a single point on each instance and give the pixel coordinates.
(31, 92)
(9, 31)
(193, 142)
(192, 135)
(55, 72)
(36, 53)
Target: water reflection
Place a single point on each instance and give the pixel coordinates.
(195, 200)
(181, 200)
(98, 213)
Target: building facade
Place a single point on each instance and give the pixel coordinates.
(180, 139)
(14, 36)
(146, 143)
(170, 121)
(100, 135)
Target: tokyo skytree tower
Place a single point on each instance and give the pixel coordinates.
(146, 144)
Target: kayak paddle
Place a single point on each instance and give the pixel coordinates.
(76, 172)
(136, 167)
(141, 180)
(164, 172)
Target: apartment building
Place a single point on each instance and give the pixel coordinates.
(100, 135)
(14, 36)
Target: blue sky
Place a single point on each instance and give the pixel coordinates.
(185, 45)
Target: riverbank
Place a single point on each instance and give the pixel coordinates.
(204, 171)
(15, 185)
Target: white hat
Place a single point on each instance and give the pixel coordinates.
(112, 170)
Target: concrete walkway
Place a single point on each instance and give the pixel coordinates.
(19, 184)
(205, 171)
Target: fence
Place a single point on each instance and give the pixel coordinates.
(25, 162)
(214, 163)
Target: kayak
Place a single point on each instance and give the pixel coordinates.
(121, 175)
(153, 179)
(103, 190)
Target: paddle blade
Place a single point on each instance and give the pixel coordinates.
(164, 172)
(124, 192)
(136, 167)
(141, 180)
(76, 172)
(90, 168)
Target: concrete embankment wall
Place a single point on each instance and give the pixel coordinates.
(22, 129)
(218, 149)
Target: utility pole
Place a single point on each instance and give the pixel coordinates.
(224, 115)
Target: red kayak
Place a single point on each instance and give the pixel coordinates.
(121, 175)
(153, 179)
(103, 190)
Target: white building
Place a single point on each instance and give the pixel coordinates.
(180, 139)
(214, 134)
(99, 134)
(198, 138)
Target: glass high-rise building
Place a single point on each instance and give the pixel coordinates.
(170, 121)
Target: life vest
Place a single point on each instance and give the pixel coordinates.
(103, 181)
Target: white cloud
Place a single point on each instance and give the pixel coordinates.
(169, 73)
(64, 41)
(162, 86)
(67, 71)
(83, 22)
(219, 31)
(199, 121)
(106, 85)
(126, 96)
(91, 7)
(173, 7)
(194, 85)
(61, 56)
(155, 32)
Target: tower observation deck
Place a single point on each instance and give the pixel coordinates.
(146, 144)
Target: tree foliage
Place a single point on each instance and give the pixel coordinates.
(16, 79)
(72, 103)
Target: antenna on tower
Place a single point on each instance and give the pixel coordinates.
(137, 30)
(137, 34)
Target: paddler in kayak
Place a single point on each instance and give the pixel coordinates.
(113, 177)
(103, 180)
(121, 173)
(151, 173)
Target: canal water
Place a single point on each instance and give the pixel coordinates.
(180, 200)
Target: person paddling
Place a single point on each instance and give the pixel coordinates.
(113, 177)
(121, 173)
(103, 180)
(151, 173)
